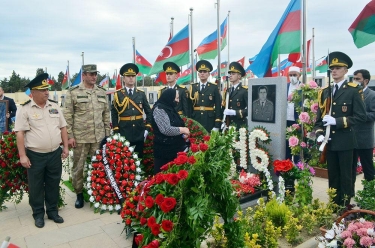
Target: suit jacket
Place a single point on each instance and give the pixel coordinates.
(348, 109)
(364, 132)
(182, 105)
(238, 101)
(12, 109)
(209, 97)
(263, 113)
(126, 114)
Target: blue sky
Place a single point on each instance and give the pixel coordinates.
(40, 33)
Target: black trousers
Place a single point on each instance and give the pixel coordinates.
(340, 170)
(365, 156)
(138, 147)
(44, 178)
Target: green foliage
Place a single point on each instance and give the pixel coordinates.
(292, 229)
(366, 198)
(324, 212)
(277, 212)
(308, 219)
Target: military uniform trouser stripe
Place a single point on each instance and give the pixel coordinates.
(80, 153)
(44, 178)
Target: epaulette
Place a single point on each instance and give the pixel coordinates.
(351, 84)
(74, 87)
(101, 87)
(324, 87)
(181, 86)
(119, 89)
(53, 101)
(244, 86)
(23, 104)
(195, 83)
(140, 90)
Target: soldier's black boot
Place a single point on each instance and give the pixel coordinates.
(121, 203)
(79, 202)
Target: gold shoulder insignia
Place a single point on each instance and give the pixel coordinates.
(181, 86)
(140, 90)
(53, 101)
(245, 87)
(353, 84)
(119, 90)
(74, 87)
(23, 104)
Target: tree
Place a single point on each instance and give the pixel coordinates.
(39, 71)
(148, 81)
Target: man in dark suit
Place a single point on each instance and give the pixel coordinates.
(127, 110)
(171, 69)
(12, 109)
(364, 132)
(263, 109)
(347, 109)
(206, 99)
(238, 98)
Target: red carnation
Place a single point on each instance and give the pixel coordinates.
(167, 225)
(149, 202)
(181, 159)
(138, 239)
(172, 179)
(191, 160)
(168, 204)
(182, 174)
(206, 138)
(194, 148)
(159, 178)
(155, 229)
(159, 199)
(154, 244)
(203, 147)
(143, 221)
(151, 221)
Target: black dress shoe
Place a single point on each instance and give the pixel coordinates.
(39, 222)
(57, 219)
(79, 202)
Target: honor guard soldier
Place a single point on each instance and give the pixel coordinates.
(87, 114)
(171, 69)
(205, 99)
(346, 110)
(128, 106)
(40, 128)
(236, 108)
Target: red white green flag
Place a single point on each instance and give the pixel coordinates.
(142, 63)
(66, 81)
(184, 77)
(363, 27)
(176, 50)
(322, 66)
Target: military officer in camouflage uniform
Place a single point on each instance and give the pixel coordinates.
(205, 99)
(347, 110)
(171, 69)
(237, 105)
(87, 115)
(128, 106)
(263, 109)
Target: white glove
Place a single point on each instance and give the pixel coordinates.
(215, 129)
(223, 126)
(229, 112)
(320, 138)
(329, 120)
(145, 135)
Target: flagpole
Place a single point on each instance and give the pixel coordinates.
(313, 53)
(228, 40)
(303, 66)
(218, 44)
(68, 76)
(133, 39)
(83, 58)
(191, 46)
(172, 18)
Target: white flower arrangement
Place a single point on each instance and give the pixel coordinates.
(280, 197)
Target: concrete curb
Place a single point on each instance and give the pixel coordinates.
(310, 243)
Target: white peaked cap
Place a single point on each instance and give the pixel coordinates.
(295, 68)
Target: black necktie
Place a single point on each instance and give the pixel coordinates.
(336, 89)
(130, 92)
(231, 91)
(202, 87)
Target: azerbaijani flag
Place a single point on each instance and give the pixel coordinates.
(118, 82)
(284, 39)
(251, 60)
(78, 79)
(249, 73)
(363, 27)
(105, 82)
(161, 78)
(185, 76)
(285, 64)
(139, 76)
(65, 82)
(50, 81)
(142, 63)
(322, 66)
(113, 81)
(207, 49)
(223, 65)
(242, 61)
(176, 50)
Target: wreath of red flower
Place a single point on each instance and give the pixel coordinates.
(125, 167)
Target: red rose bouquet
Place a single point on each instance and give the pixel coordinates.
(286, 169)
(246, 183)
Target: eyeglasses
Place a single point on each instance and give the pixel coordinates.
(293, 75)
(202, 71)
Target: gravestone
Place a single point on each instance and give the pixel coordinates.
(270, 111)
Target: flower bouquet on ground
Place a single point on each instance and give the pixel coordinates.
(348, 232)
(246, 183)
(176, 207)
(115, 168)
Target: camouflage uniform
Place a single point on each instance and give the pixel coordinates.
(87, 115)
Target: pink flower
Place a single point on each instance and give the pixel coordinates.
(312, 171)
(293, 141)
(362, 232)
(349, 242)
(304, 117)
(313, 85)
(290, 97)
(303, 144)
(346, 234)
(295, 126)
(314, 108)
(366, 241)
